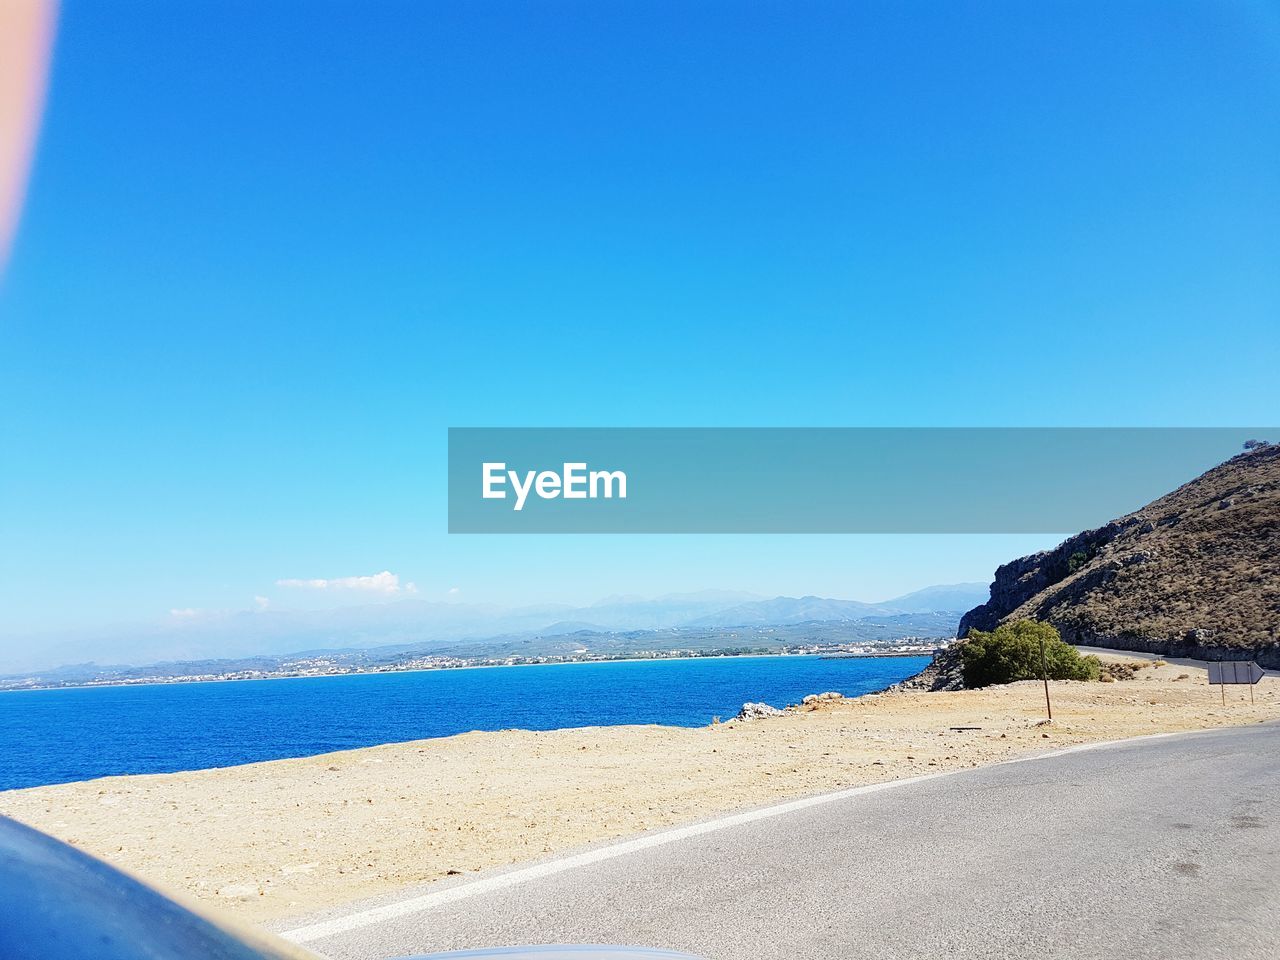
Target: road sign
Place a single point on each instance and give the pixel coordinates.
(1235, 671)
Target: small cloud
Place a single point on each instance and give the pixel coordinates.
(262, 602)
(385, 582)
(411, 587)
(453, 591)
(184, 613)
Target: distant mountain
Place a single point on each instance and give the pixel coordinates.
(955, 596)
(787, 610)
(1193, 574)
(416, 624)
(671, 610)
(716, 597)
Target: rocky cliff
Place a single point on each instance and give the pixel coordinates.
(1193, 574)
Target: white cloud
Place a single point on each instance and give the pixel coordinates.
(454, 590)
(184, 613)
(385, 582)
(262, 602)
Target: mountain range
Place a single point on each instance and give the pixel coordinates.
(425, 625)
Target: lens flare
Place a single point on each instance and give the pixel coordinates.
(26, 38)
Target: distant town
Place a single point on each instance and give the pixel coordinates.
(834, 639)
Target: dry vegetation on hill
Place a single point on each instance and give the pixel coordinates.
(1195, 573)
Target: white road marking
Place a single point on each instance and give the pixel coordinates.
(403, 908)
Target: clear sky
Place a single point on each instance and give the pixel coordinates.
(271, 251)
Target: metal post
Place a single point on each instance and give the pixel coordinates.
(1044, 667)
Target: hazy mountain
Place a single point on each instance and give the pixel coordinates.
(671, 610)
(416, 623)
(786, 610)
(955, 596)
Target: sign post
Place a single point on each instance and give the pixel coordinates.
(1044, 668)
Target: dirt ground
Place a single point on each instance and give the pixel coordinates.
(272, 840)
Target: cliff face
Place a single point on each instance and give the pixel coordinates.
(1193, 574)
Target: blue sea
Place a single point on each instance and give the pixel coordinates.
(55, 736)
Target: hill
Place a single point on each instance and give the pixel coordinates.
(955, 596)
(1193, 574)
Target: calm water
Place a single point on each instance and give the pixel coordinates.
(52, 736)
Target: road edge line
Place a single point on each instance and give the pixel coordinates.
(401, 908)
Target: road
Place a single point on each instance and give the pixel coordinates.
(1142, 655)
(1158, 848)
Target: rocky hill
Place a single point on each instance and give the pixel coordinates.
(1193, 574)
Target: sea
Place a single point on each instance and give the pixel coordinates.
(57, 736)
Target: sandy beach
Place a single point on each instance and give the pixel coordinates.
(268, 841)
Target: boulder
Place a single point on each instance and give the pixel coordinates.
(815, 698)
(757, 711)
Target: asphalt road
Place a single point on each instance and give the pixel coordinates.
(1142, 655)
(1163, 848)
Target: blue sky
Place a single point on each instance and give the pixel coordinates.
(270, 252)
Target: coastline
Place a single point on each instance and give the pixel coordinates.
(56, 738)
(711, 655)
(365, 673)
(283, 838)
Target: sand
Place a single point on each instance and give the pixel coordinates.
(267, 841)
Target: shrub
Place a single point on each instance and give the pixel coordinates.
(1012, 652)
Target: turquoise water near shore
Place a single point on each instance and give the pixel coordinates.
(55, 736)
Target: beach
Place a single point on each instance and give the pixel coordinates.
(273, 840)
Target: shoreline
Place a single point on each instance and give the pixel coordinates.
(278, 839)
(440, 669)
(711, 716)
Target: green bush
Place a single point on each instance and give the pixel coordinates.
(1012, 652)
